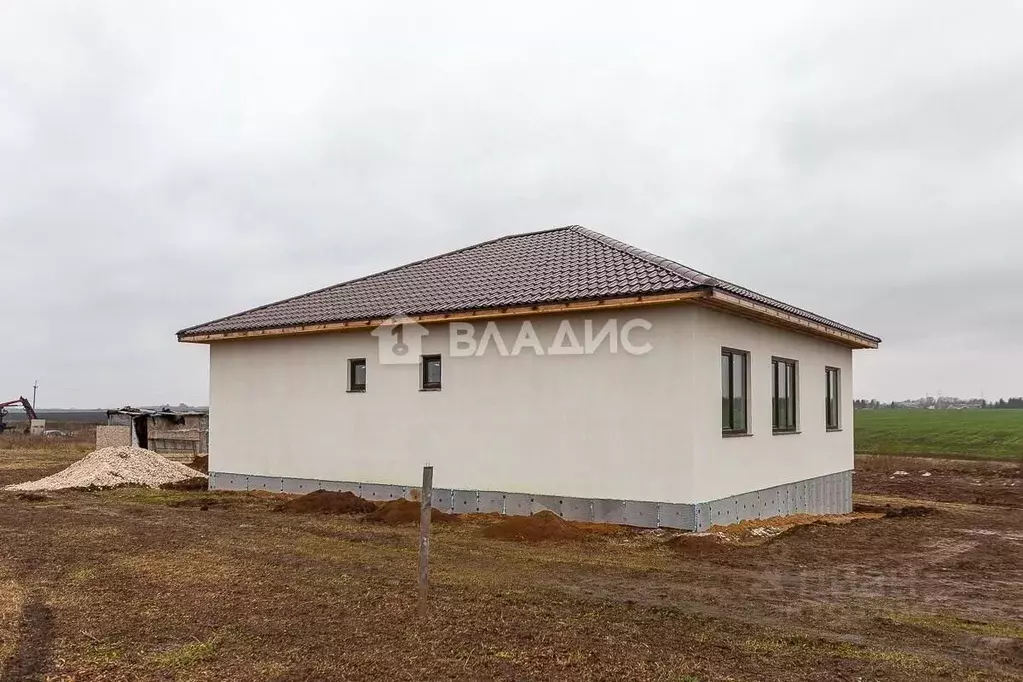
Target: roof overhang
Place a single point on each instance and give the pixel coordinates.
(709, 297)
(433, 318)
(764, 313)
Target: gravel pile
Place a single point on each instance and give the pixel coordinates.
(112, 467)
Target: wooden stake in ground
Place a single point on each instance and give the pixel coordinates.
(425, 509)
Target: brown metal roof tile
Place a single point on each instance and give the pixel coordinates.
(551, 266)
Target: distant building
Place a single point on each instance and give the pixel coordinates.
(178, 434)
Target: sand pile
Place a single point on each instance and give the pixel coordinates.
(326, 502)
(545, 525)
(112, 467)
(406, 511)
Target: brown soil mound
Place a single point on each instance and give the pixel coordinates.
(895, 512)
(188, 484)
(696, 545)
(326, 502)
(545, 525)
(201, 463)
(406, 511)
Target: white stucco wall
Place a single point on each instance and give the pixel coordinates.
(603, 425)
(730, 466)
(606, 425)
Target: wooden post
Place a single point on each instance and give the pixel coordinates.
(425, 509)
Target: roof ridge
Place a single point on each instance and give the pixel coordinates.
(675, 268)
(372, 274)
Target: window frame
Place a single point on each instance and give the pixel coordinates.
(353, 387)
(424, 362)
(792, 391)
(731, 429)
(837, 397)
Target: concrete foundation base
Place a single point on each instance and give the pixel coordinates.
(831, 494)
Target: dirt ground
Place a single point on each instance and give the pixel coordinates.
(946, 480)
(135, 584)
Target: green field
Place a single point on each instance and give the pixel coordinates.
(972, 434)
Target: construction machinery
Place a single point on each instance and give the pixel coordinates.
(25, 404)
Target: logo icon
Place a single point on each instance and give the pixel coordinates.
(399, 341)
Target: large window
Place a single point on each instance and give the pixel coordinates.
(431, 373)
(832, 403)
(734, 393)
(784, 401)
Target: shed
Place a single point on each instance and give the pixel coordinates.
(177, 434)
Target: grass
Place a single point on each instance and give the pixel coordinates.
(188, 655)
(945, 623)
(966, 434)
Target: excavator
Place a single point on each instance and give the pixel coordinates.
(29, 411)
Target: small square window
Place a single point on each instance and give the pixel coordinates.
(357, 375)
(431, 373)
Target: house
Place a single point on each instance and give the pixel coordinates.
(177, 434)
(559, 370)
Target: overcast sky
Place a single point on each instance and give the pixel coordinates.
(164, 163)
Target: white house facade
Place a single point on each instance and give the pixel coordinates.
(679, 403)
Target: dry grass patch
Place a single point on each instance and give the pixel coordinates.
(945, 623)
(12, 598)
(192, 568)
(188, 655)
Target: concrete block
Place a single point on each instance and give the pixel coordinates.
(517, 504)
(299, 486)
(609, 511)
(576, 509)
(382, 491)
(677, 516)
(227, 481)
(539, 503)
(722, 512)
(489, 502)
(641, 514)
(464, 502)
(442, 499)
(274, 484)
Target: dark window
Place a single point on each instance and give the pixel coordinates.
(357, 375)
(831, 401)
(734, 398)
(784, 399)
(431, 372)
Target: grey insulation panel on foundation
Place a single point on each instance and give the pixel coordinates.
(576, 509)
(490, 502)
(443, 499)
(830, 494)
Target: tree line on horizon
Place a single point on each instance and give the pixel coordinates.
(941, 403)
